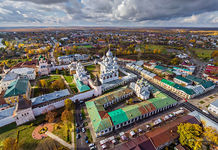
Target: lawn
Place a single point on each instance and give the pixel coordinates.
(89, 135)
(69, 79)
(203, 53)
(83, 114)
(211, 97)
(73, 88)
(90, 68)
(201, 102)
(152, 47)
(86, 46)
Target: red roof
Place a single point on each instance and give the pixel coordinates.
(158, 78)
(147, 64)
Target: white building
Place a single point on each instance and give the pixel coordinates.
(28, 72)
(7, 79)
(81, 74)
(214, 107)
(44, 67)
(109, 68)
(23, 112)
(141, 89)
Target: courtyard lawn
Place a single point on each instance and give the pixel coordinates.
(73, 87)
(69, 79)
(90, 68)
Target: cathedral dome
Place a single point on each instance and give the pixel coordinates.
(115, 58)
(106, 60)
(109, 54)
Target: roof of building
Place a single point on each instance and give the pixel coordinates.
(184, 89)
(158, 78)
(177, 68)
(160, 103)
(160, 67)
(200, 117)
(131, 111)
(24, 70)
(168, 82)
(17, 87)
(22, 104)
(118, 116)
(139, 63)
(207, 84)
(183, 79)
(195, 79)
(10, 76)
(81, 86)
(7, 112)
(48, 97)
(215, 103)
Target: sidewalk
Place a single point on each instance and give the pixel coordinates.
(59, 140)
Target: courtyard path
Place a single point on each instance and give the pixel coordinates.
(56, 138)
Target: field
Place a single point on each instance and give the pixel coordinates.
(203, 53)
(73, 87)
(25, 141)
(152, 47)
(69, 79)
(87, 46)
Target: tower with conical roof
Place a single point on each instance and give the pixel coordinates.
(44, 68)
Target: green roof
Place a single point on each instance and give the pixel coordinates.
(170, 71)
(181, 68)
(168, 82)
(82, 87)
(160, 103)
(17, 87)
(118, 116)
(195, 79)
(186, 90)
(131, 111)
(160, 67)
(183, 79)
(207, 84)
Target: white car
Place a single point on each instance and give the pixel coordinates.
(91, 145)
(205, 111)
(83, 130)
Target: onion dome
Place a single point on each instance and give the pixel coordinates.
(109, 54)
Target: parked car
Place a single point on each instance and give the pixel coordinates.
(81, 118)
(93, 148)
(77, 130)
(91, 145)
(205, 111)
(77, 136)
(76, 124)
(82, 124)
(80, 115)
(85, 137)
(83, 130)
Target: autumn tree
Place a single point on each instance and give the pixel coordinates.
(50, 116)
(190, 135)
(211, 134)
(10, 144)
(68, 104)
(58, 84)
(57, 71)
(130, 101)
(43, 83)
(155, 51)
(128, 53)
(146, 48)
(135, 52)
(159, 51)
(66, 115)
(174, 61)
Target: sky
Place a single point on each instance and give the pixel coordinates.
(143, 13)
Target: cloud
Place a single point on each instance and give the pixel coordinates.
(192, 19)
(43, 1)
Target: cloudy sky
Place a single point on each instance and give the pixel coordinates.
(162, 13)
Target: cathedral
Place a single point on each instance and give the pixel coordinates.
(109, 68)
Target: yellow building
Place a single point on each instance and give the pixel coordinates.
(16, 88)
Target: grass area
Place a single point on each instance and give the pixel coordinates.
(68, 79)
(86, 46)
(203, 53)
(73, 88)
(90, 68)
(85, 124)
(36, 90)
(112, 89)
(207, 106)
(83, 114)
(152, 47)
(211, 97)
(89, 135)
(201, 102)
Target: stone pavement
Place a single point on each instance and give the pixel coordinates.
(38, 136)
(56, 138)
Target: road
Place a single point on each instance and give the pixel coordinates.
(80, 143)
(52, 58)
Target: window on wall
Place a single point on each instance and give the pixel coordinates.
(17, 118)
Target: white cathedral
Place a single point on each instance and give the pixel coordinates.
(109, 68)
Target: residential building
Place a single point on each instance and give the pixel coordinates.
(184, 70)
(182, 81)
(16, 88)
(196, 80)
(208, 85)
(27, 72)
(160, 69)
(214, 107)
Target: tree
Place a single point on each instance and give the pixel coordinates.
(211, 134)
(174, 61)
(10, 144)
(68, 104)
(155, 51)
(44, 83)
(66, 115)
(190, 135)
(65, 72)
(146, 48)
(57, 71)
(135, 52)
(128, 53)
(50, 116)
(130, 101)
(159, 51)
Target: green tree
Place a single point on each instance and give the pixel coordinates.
(68, 104)
(190, 135)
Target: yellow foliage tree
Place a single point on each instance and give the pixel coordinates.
(128, 53)
(211, 134)
(135, 52)
(190, 135)
(159, 51)
(68, 104)
(155, 51)
(66, 115)
(174, 61)
(10, 144)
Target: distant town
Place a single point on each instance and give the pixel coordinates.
(90, 88)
